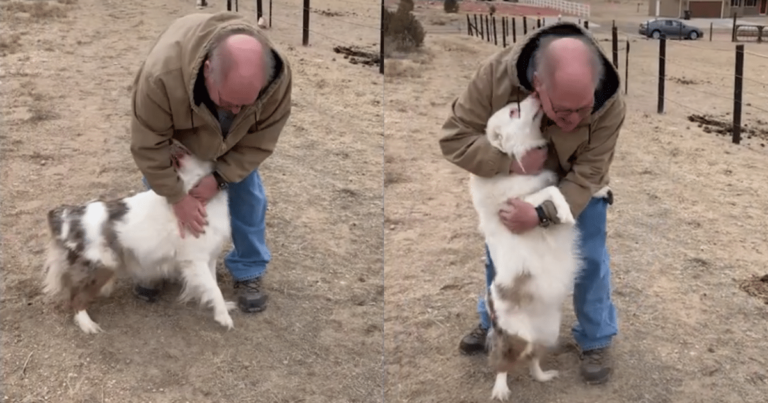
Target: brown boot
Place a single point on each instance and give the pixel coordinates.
(596, 366)
(250, 297)
(474, 341)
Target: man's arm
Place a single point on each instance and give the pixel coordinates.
(151, 132)
(591, 166)
(261, 139)
(464, 142)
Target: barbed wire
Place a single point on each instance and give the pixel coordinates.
(671, 84)
(314, 32)
(375, 23)
(755, 54)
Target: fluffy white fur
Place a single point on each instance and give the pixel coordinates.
(549, 255)
(149, 246)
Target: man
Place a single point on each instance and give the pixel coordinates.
(215, 83)
(579, 91)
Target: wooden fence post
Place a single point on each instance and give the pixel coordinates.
(615, 45)
(503, 32)
(382, 34)
(229, 5)
(495, 38)
(259, 9)
(711, 28)
(514, 30)
(469, 26)
(305, 24)
(626, 70)
(487, 29)
(525, 25)
(482, 28)
(737, 93)
(662, 62)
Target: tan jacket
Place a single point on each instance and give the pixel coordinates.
(164, 107)
(582, 157)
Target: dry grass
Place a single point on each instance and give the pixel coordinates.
(320, 338)
(10, 43)
(687, 226)
(34, 11)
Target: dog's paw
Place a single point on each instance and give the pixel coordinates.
(85, 323)
(565, 216)
(224, 319)
(500, 391)
(231, 305)
(545, 376)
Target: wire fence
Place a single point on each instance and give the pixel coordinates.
(725, 86)
(356, 28)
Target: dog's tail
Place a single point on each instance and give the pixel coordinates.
(55, 269)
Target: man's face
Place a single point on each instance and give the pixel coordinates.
(231, 93)
(567, 104)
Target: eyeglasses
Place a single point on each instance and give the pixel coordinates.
(565, 113)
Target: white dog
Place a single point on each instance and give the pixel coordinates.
(139, 235)
(536, 270)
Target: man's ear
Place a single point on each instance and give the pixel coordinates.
(207, 69)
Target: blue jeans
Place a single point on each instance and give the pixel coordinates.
(250, 255)
(595, 313)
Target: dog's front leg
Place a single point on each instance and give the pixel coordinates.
(197, 275)
(552, 193)
(500, 389)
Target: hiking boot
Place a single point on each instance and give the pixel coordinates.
(250, 297)
(148, 291)
(595, 366)
(474, 342)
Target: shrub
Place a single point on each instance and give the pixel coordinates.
(401, 28)
(405, 5)
(451, 6)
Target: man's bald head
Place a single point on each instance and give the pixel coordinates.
(569, 61)
(239, 67)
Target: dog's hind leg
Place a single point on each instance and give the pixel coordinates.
(537, 373)
(197, 276)
(93, 286)
(500, 389)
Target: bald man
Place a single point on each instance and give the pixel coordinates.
(579, 91)
(215, 83)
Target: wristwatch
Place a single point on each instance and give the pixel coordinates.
(543, 220)
(220, 181)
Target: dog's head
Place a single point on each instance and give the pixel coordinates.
(516, 128)
(189, 168)
(507, 351)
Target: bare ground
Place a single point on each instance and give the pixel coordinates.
(66, 72)
(687, 229)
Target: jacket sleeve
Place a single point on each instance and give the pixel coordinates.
(261, 139)
(464, 142)
(151, 133)
(591, 166)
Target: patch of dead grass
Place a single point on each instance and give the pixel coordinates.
(10, 43)
(34, 11)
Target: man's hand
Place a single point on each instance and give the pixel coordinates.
(531, 163)
(205, 189)
(191, 214)
(519, 216)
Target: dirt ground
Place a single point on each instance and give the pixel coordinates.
(66, 75)
(686, 232)
(687, 228)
